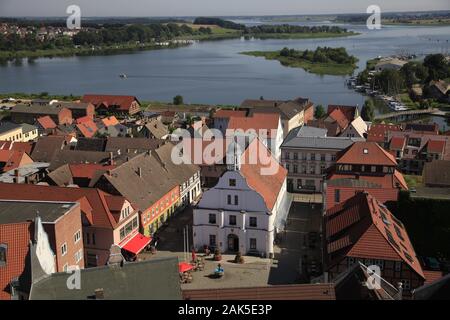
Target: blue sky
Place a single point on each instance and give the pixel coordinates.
(210, 7)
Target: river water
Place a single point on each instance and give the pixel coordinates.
(214, 72)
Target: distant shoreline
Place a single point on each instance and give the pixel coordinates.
(18, 56)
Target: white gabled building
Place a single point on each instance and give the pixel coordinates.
(356, 129)
(246, 207)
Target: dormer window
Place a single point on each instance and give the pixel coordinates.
(232, 182)
(3, 250)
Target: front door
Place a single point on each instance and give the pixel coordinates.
(233, 243)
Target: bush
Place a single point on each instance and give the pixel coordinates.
(239, 258)
(217, 255)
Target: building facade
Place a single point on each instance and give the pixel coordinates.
(307, 153)
(244, 211)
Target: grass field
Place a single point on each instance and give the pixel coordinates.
(312, 67)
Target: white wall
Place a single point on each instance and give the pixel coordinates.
(250, 204)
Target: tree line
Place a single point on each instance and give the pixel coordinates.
(100, 36)
(321, 55)
(433, 67)
(266, 28)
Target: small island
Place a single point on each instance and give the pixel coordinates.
(324, 60)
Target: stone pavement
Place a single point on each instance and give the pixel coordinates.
(283, 269)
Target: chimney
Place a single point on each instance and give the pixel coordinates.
(99, 294)
(140, 172)
(111, 158)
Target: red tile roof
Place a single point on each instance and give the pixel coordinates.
(87, 128)
(259, 121)
(436, 146)
(397, 143)
(340, 118)
(378, 132)
(432, 276)
(13, 159)
(362, 227)
(123, 102)
(268, 186)
(110, 121)
(367, 153)
(92, 201)
(83, 120)
(46, 122)
(223, 113)
(17, 237)
(17, 146)
(88, 170)
(348, 111)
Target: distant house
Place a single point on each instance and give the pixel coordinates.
(154, 129)
(437, 174)
(29, 132)
(390, 64)
(356, 128)
(45, 125)
(117, 130)
(350, 112)
(431, 128)
(86, 127)
(80, 174)
(22, 113)
(29, 173)
(79, 109)
(439, 90)
(114, 104)
(293, 113)
(413, 149)
(109, 121)
(361, 229)
(379, 133)
(10, 131)
(222, 117)
(11, 159)
(267, 126)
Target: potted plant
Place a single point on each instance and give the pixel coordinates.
(239, 258)
(217, 255)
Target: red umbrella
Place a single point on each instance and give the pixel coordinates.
(184, 267)
(194, 256)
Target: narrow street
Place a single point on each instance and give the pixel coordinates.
(294, 246)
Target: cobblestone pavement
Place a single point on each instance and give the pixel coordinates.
(284, 269)
(294, 245)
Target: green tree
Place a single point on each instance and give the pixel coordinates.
(319, 112)
(368, 110)
(178, 100)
